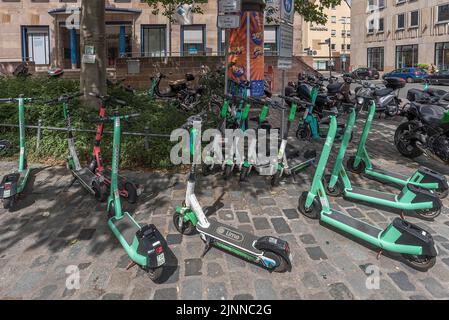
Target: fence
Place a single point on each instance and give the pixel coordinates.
(39, 129)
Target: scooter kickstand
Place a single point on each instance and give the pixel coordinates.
(70, 185)
(402, 215)
(130, 265)
(207, 247)
(379, 254)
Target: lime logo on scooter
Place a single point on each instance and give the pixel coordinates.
(230, 234)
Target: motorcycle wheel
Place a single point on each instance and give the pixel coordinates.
(405, 146)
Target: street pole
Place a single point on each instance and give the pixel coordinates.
(330, 57)
(226, 61)
(344, 45)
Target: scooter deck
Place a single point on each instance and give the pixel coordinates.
(126, 227)
(394, 175)
(231, 236)
(373, 193)
(85, 177)
(336, 218)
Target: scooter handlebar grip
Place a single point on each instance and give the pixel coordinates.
(6, 100)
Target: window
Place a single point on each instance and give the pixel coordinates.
(348, 33)
(414, 18)
(333, 46)
(343, 47)
(271, 40)
(381, 4)
(221, 41)
(400, 21)
(376, 58)
(348, 46)
(443, 13)
(442, 55)
(334, 19)
(193, 40)
(36, 44)
(406, 56)
(333, 33)
(154, 40)
(400, 1)
(371, 26)
(381, 25)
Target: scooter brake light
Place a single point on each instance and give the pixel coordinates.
(8, 186)
(159, 250)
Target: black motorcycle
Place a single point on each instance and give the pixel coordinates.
(180, 91)
(425, 132)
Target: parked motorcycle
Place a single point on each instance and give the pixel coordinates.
(425, 132)
(188, 99)
(440, 97)
(386, 97)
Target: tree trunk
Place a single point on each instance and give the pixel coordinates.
(93, 33)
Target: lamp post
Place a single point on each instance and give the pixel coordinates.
(344, 41)
(329, 43)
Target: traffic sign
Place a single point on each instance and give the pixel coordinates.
(286, 41)
(288, 10)
(285, 63)
(228, 21)
(229, 6)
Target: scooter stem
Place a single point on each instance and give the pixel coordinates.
(22, 159)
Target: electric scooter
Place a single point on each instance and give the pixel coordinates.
(414, 243)
(143, 244)
(13, 184)
(424, 178)
(288, 159)
(270, 252)
(127, 189)
(412, 198)
(84, 176)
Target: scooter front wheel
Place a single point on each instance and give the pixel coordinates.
(183, 227)
(101, 191)
(350, 166)
(276, 179)
(442, 193)
(282, 264)
(132, 192)
(8, 203)
(227, 171)
(429, 214)
(420, 263)
(244, 174)
(336, 190)
(314, 211)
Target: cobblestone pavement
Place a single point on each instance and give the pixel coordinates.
(55, 227)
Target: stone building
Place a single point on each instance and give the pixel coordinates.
(392, 34)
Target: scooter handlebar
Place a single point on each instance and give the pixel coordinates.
(108, 99)
(6, 100)
(294, 100)
(64, 98)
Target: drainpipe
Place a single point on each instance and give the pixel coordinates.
(122, 42)
(73, 54)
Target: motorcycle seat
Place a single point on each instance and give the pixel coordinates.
(177, 82)
(335, 87)
(383, 92)
(431, 114)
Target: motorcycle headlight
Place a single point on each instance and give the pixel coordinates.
(360, 100)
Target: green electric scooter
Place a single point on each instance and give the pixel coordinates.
(143, 244)
(424, 178)
(412, 198)
(270, 252)
(414, 243)
(13, 184)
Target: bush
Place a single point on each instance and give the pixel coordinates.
(158, 117)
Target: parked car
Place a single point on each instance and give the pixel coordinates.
(410, 75)
(440, 77)
(365, 74)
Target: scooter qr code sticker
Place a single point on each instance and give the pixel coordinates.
(160, 259)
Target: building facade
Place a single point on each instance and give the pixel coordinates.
(43, 31)
(393, 34)
(338, 30)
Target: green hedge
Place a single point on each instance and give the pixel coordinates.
(159, 117)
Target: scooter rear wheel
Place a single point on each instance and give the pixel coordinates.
(429, 214)
(336, 191)
(227, 171)
(276, 179)
(420, 263)
(101, 191)
(244, 174)
(442, 193)
(282, 265)
(8, 203)
(132, 192)
(155, 274)
(314, 211)
(186, 228)
(350, 166)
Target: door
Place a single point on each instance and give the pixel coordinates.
(37, 45)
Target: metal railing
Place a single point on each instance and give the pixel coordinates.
(39, 127)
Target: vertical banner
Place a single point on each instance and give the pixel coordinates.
(246, 57)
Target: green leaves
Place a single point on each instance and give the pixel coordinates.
(312, 11)
(167, 7)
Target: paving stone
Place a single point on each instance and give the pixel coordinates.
(435, 288)
(339, 291)
(267, 202)
(307, 239)
(214, 270)
(356, 213)
(291, 213)
(280, 225)
(418, 297)
(310, 280)
(242, 216)
(193, 267)
(226, 215)
(27, 283)
(402, 281)
(141, 292)
(264, 289)
(216, 291)
(46, 292)
(86, 234)
(290, 294)
(261, 223)
(243, 296)
(316, 253)
(174, 239)
(113, 296)
(192, 289)
(166, 294)
(43, 261)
